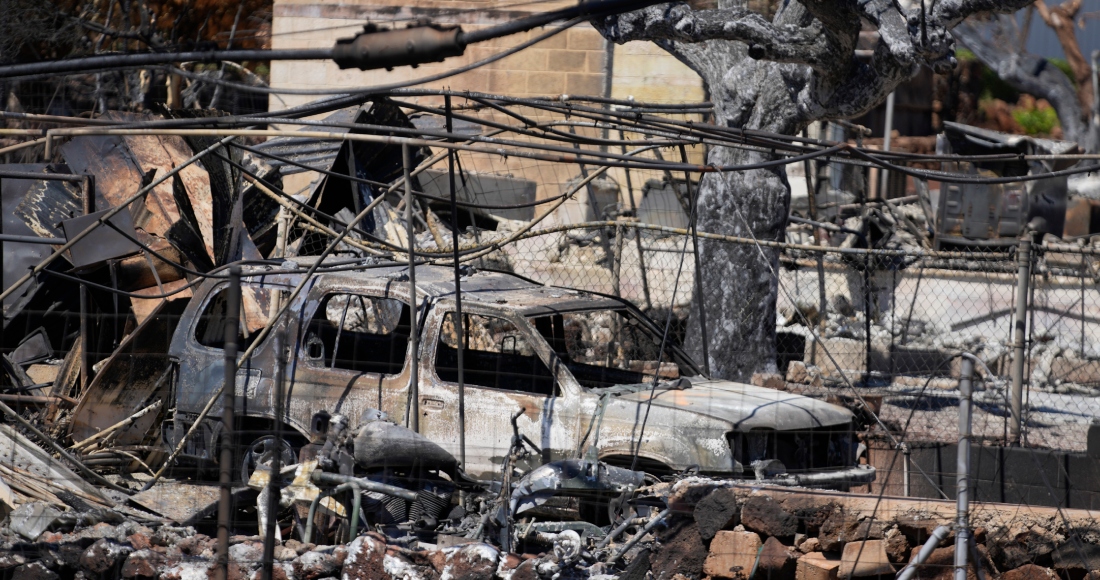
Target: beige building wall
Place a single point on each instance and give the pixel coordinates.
(576, 62)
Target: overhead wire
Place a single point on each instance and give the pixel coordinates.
(385, 87)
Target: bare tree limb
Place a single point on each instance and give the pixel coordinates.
(1060, 19)
(679, 23)
(1029, 74)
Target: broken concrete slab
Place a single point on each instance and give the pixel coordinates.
(184, 503)
(31, 519)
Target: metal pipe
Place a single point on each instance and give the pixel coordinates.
(43, 176)
(886, 143)
(274, 483)
(693, 197)
(459, 322)
(87, 193)
(638, 537)
(308, 536)
(619, 530)
(30, 239)
(637, 235)
(4, 238)
(926, 550)
(1023, 255)
(962, 467)
(905, 456)
(413, 408)
(229, 394)
(364, 484)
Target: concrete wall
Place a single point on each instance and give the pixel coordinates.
(1037, 477)
(576, 62)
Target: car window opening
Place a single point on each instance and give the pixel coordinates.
(359, 333)
(258, 306)
(496, 355)
(604, 348)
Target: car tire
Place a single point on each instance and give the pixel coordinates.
(261, 451)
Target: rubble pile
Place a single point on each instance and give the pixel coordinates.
(724, 531)
(714, 529)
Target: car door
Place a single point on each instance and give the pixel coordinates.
(505, 370)
(199, 346)
(351, 354)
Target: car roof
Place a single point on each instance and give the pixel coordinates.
(503, 289)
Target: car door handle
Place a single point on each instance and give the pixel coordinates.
(431, 404)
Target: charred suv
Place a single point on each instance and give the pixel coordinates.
(583, 375)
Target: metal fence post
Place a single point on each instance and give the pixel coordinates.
(274, 483)
(962, 476)
(229, 394)
(1023, 256)
(87, 194)
(414, 338)
(458, 320)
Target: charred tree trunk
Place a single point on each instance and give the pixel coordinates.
(779, 75)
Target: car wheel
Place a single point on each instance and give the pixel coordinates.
(260, 453)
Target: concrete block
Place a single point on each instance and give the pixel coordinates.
(556, 41)
(597, 61)
(865, 559)
(503, 81)
(584, 39)
(584, 84)
(528, 60)
(817, 566)
(732, 555)
(546, 83)
(566, 60)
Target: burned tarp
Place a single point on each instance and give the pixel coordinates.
(979, 213)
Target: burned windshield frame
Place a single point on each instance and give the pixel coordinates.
(672, 354)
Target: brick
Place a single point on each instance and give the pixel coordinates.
(865, 559)
(777, 561)
(1030, 572)
(732, 555)
(584, 84)
(584, 39)
(566, 60)
(817, 566)
(546, 83)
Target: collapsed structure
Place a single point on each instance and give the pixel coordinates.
(400, 407)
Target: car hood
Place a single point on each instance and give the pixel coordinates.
(746, 407)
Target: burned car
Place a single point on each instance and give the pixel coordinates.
(583, 373)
